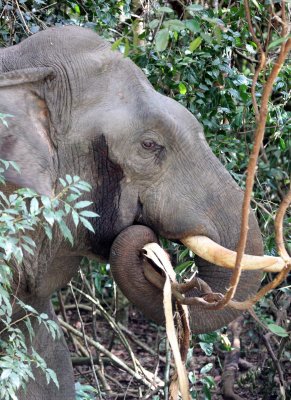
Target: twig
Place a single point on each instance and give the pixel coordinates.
(262, 62)
(284, 341)
(111, 322)
(279, 236)
(119, 363)
(64, 315)
(86, 343)
(276, 362)
(167, 369)
(23, 20)
(141, 344)
(251, 60)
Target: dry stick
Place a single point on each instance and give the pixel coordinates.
(22, 18)
(86, 343)
(113, 324)
(167, 369)
(64, 315)
(284, 341)
(259, 134)
(106, 352)
(232, 360)
(125, 330)
(266, 339)
(141, 344)
(261, 64)
(285, 26)
(279, 236)
(100, 371)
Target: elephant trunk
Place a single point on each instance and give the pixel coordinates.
(128, 265)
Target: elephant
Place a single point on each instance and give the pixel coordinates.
(80, 108)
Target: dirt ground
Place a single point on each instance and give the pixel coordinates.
(255, 379)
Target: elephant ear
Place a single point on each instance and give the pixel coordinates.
(24, 128)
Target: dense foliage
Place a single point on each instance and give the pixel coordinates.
(204, 57)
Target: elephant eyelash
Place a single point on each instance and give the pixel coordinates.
(150, 145)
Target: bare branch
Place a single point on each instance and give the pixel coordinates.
(279, 236)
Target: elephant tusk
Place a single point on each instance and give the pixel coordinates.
(223, 257)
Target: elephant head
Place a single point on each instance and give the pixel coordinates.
(80, 108)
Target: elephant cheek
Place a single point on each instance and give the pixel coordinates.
(127, 266)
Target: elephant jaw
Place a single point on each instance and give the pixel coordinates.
(223, 257)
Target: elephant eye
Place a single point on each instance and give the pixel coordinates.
(149, 144)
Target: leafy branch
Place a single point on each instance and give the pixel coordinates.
(20, 212)
(261, 118)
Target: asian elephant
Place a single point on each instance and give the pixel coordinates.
(80, 108)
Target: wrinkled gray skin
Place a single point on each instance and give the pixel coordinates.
(80, 109)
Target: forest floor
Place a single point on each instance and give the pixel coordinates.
(255, 380)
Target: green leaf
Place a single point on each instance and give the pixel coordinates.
(28, 240)
(69, 179)
(15, 380)
(34, 206)
(87, 224)
(164, 10)
(208, 381)
(250, 49)
(116, 44)
(256, 4)
(195, 7)
(193, 25)
(126, 48)
(278, 41)
(278, 330)
(29, 328)
(195, 43)
(27, 248)
(66, 231)
(206, 37)
(75, 190)
(208, 367)
(182, 88)
(48, 231)
(5, 374)
(77, 9)
(75, 217)
(83, 204)
(174, 25)
(88, 214)
(76, 178)
(14, 164)
(49, 216)
(27, 307)
(46, 201)
(63, 182)
(162, 40)
(282, 144)
(207, 348)
(53, 376)
(4, 198)
(154, 24)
